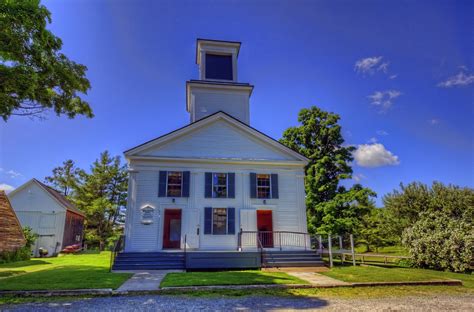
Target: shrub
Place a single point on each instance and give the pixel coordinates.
(20, 254)
(439, 241)
(30, 237)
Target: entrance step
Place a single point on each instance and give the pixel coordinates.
(278, 259)
(149, 261)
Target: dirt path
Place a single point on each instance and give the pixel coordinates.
(254, 303)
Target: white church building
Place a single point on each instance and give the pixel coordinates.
(216, 192)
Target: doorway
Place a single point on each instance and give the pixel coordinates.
(265, 227)
(172, 229)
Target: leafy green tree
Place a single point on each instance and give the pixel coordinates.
(65, 178)
(331, 208)
(34, 75)
(436, 224)
(101, 196)
(377, 230)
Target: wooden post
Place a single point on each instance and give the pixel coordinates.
(330, 250)
(352, 250)
(340, 243)
(321, 244)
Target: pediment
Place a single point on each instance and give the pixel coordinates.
(217, 137)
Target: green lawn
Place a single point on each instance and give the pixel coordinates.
(393, 274)
(389, 250)
(228, 278)
(63, 272)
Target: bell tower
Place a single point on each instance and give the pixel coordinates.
(217, 88)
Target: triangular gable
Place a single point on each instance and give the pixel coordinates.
(53, 194)
(218, 136)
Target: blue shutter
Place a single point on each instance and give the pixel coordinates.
(162, 184)
(274, 181)
(231, 221)
(185, 190)
(253, 185)
(208, 220)
(231, 185)
(208, 185)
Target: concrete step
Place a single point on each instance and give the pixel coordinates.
(294, 264)
(142, 266)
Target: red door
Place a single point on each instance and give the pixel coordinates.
(265, 227)
(172, 229)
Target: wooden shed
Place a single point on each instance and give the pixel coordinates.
(11, 233)
(56, 220)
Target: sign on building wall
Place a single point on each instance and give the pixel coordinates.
(148, 214)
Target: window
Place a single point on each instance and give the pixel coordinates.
(174, 183)
(219, 185)
(219, 67)
(263, 186)
(219, 221)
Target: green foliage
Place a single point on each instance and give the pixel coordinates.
(65, 178)
(30, 237)
(377, 230)
(34, 75)
(436, 223)
(439, 241)
(101, 195)
(331, 208)
(19, 254)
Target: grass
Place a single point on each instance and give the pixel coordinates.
(80, 271)
(393, 274)
(389, 250)
(228, 278)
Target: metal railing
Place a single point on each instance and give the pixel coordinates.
(118, 247)
(274, 239)
(185, 243)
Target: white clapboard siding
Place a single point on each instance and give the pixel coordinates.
(38, 210)
(234, 103)
(288, 209)
(218, 140)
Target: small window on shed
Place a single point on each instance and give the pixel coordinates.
(219, 67)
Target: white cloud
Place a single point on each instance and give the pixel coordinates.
(373, 140)
(393, 76)
(370, 65)
(381, 132)
(383, 67)
(374, 155)
(358, 177)
(433, 121)
(13, 174)
(459, 80)
(384, 99)
(5, 187)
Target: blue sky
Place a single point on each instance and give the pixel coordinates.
(400, 74)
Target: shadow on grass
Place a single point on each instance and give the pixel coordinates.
(5, 274)
(20, 264)
(228, 278)
(65, 277)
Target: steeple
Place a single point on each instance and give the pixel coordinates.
(217, 88)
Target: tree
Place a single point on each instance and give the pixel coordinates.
(101, 196)
(65, 178)
(331, 208)
(436, 224)
(34, 75)
(377, 230)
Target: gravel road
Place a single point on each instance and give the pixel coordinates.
(253, 303)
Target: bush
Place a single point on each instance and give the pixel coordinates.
(20, 254)
(440, 242)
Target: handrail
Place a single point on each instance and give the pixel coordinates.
(118, 246)
(274, 239)
(260, 245)
(185, 243)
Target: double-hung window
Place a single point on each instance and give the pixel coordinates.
(219, 185)
(219, 221)
(174, 183)
(263, 186)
